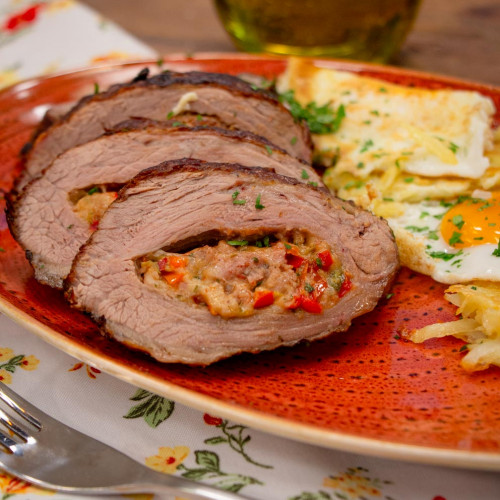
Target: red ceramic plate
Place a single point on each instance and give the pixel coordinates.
(365, 391)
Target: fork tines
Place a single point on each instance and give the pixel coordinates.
(14, 426)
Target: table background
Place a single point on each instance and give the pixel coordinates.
(452, 37)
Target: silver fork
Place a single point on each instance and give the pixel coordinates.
(47, 453)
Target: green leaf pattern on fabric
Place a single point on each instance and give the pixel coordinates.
(154, 409)
(234, 436)
(210, 470)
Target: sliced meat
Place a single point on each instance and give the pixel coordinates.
(229, 98)
(51, 228)
(183, 205)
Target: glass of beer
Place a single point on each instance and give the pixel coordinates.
(369, 30)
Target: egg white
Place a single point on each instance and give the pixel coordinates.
(428, 132)
(419, 228)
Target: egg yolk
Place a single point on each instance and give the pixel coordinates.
(472, 222)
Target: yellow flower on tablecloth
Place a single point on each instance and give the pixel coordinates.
(354, 484)
(5, 353)
(29, 363)
(60, 5)
(10, 485)
(168, 459)
(113, 56)
(52, 67)
(8, 77)
(5, 377)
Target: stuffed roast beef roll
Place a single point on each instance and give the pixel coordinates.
(195, 262)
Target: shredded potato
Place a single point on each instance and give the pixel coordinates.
(479, 305)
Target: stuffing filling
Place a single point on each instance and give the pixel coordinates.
(235, 278)
(90, 204)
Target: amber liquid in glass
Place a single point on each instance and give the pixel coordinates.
(370, 30)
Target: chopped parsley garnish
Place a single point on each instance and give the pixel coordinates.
(366, 146)
(170, 115)
(360, 165)
(319, 263)
(96, 88)
(432, 235)
(269, 150)
(464, 348)
(258, 204)
(485, 206)
(389, 295)
(264, 242)
(444, 255)
(177, 124)
(387, 199)
(458, 221)
(408, 180)
(160, 62)
(417, 229)
(453, 147)
(199, 118)
(308, 288)
(374, 112)
(455, 238)
(237, 243)
(311, 183)
(293, 141)
(424, 214)
(445, 204)
(496, 252)
(288, 246)
(235, 199)
(382, 89)
(473, 287)
(93, 190)
(320, 119)
(304, 174)
(354, 184)
(2, 249)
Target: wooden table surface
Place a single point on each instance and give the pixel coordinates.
(453, 37)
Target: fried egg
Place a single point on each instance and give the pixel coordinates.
(428, 132)
(454, 242)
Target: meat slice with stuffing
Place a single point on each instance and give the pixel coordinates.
(178, 270)
(56, 213)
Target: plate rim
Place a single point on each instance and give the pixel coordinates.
(278, 426)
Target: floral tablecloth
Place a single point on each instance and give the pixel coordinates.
(51, 36)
